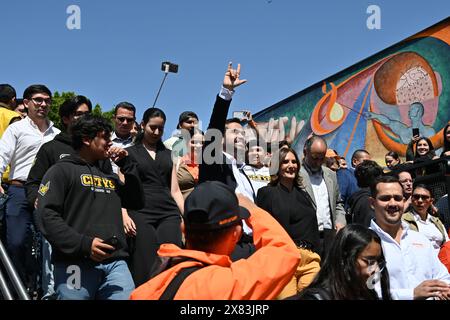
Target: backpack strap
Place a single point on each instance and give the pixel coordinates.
(176, 282)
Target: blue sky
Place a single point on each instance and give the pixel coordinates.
(283, 46)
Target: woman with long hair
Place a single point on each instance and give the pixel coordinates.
(446, 148)
(352, 269)
(392, 159)
(160, 220)
(286, 200)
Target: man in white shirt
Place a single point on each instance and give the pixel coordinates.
(254, 169)
(321, 185)
(415, 271)
(124, 118)
(18, 148)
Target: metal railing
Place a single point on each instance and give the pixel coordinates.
(13, 277)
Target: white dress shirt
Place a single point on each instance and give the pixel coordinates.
(320, 191)
(19, 146)
(409, 262)
(429, 230)
(122, 143)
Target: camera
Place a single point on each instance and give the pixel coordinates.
(113, 241)
(415, 132)
(167, 66)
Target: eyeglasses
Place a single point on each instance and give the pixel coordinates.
(386, 198)
(40, 100)
(374, 265)
(123, 119)
(419, 196)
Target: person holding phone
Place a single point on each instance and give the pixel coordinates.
(79, 207)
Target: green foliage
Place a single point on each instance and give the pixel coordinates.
(59, 98)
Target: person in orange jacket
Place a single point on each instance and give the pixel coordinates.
(213, 225)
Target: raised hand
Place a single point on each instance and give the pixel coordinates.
(231, 79)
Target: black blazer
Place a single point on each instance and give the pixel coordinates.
(222, 171)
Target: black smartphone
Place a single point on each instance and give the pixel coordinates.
(167, 66)
(113, 241)
(415, 132)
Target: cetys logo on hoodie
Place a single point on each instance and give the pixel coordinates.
(98, 184)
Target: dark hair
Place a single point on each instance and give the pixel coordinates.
(393, 154)
(424, 186)
(430, 153)
(358, 153)
(125, 105)
(34, 89)
(275, 178)
(383, 179)
(366, 173)
(232, 120)
(207, 241)
(7, 93)
(88, 127)
(185, 116)
(150, 113)
(19, 101)
(339, 274)
(70, 105)
(309, 142)
(446, 142)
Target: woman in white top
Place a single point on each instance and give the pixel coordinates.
(421, 218)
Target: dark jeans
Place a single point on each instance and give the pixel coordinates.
(326, 241)
(18, 221)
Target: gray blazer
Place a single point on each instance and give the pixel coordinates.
(334, 195)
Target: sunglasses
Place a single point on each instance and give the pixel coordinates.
(123, 119)
(389, 197)
(420, 196)
(39, 101)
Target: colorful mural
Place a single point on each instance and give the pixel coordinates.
(374, 104)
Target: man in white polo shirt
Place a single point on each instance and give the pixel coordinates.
(415, 271)
(18, 148)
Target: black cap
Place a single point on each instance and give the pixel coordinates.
(185, 116)
(212, 205)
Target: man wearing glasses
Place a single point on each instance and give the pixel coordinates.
(415, 271)
(124, 118)
(18, 148)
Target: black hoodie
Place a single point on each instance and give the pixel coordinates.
(50, 153)
(359, 207)
(78, 201)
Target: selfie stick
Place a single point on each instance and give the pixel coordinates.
(166, 72)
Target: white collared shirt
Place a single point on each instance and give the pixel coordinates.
(19, 146)
(429, 230)
(122, 143)
(320, 191)
(409, 263)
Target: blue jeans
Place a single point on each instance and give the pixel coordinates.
(88, 280)
(47, 281)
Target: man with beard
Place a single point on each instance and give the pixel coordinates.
(321, 185)
(415, 271)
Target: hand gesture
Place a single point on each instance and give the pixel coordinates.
(432, 289)
(231, 79)
(117, 153)
(274, 131)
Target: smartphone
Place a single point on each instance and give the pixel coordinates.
(113, 241)
(242, 115)
(415, 132)
(167, 66)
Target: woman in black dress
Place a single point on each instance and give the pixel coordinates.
(285, 199)
(160, 216)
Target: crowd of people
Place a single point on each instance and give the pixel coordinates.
(229, 213)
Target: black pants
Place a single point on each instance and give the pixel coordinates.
(150, 234)
(326, 241)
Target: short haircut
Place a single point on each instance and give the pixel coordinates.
(309, 142)
(232, 120)
(358, 153)
(392, 154)
(88, 127)
(72, 104)
(207, 241)
(424, 186)
(7, 93)
(366, 173)
(184, 116)
(34, 89)
(19, 101)
(125, 105)
(383, 179)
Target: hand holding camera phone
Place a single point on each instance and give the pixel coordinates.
(114, 242)
(415, 132)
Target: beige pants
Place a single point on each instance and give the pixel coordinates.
(306, 271)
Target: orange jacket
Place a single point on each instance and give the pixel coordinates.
(262, 276)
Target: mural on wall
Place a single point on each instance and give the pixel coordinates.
(374, 104)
